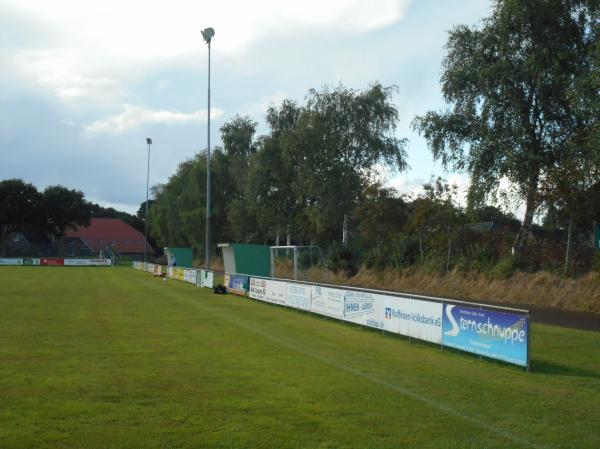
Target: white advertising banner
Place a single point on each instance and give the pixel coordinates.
(258, 289)
(413, 318)
(171, 272)
(364, 308)
(208, 279)
(88, 262)
(327, 301)
(11, 261)
(190, 276)
(298, 296)
(275, 292)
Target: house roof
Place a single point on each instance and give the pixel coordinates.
(103, 232)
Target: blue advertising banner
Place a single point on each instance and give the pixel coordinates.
(238, 284)
(498, 335)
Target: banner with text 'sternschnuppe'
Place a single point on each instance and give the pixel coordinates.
(498, 335)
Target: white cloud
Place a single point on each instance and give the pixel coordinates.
(142, 29)
(133, 116)
(62, 73)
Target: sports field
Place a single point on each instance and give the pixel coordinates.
(114, 358)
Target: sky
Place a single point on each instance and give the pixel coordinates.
(83, 83)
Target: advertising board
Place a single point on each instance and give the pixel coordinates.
(88, 262)
(498, 335)
(52, 261)
(276, 292)
(189, 276)
(11, 261)
(327, 301)
(204, 278)
(238, 284)
(258, 289)
(298, 296)
(413, 318)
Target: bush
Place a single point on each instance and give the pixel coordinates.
(344, 258)
(506, 267)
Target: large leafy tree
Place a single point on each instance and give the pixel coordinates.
(64, 208)
(507, 83)
(341, 136)
(20, 208)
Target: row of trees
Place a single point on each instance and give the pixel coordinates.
(522, 90)
(302, 180)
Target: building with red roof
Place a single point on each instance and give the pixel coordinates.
(113, 232)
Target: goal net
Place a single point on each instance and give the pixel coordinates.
(294, 262)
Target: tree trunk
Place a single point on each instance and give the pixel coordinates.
(421, 244)
(277, 243)
(345, 230)
(4, 237)
(288, 241)
(569, 245)
(520, 244)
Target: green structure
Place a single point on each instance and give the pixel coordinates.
(254, 260)
(183, 256)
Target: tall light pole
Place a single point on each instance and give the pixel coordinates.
(149, 142)
(208, 34)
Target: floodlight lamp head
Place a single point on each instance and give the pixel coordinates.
(148, 140)
(208, 34)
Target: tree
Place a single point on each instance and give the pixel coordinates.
(20, 208)
(64, 208)
(342, 135)
(380, 216)
(506, 82)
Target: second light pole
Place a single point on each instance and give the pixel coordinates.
(208, 34)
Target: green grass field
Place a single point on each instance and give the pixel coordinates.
(114, 358)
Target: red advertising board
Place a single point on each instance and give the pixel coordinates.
(52, 261)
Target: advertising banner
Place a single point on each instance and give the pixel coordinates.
(258, 289)
(238, 284)
(498, 335)
(11, 261)
(226, 280)
(207, 278)
(157, 270)
(364, 308)
(413, 318)
(298, 296)
(52, 261)
(190, 276)
(88, 262)
(276, 292)
(327, 301)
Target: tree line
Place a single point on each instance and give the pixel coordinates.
(50, 212)
(522, 105)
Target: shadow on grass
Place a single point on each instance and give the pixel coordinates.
(548, 367)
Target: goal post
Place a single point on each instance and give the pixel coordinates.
(295, 251)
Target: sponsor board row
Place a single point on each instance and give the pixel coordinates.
(490, 333)
(57, 261)
(201, 278)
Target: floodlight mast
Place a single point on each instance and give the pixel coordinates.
(208, 34)
(149, 142)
